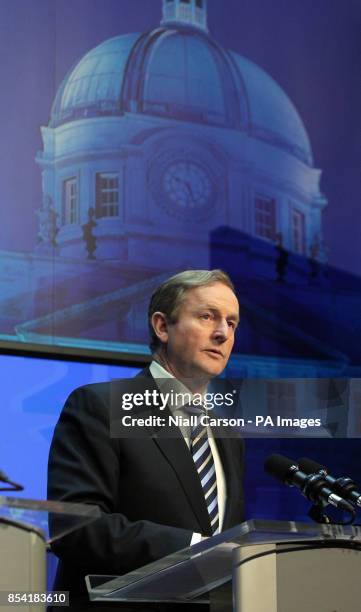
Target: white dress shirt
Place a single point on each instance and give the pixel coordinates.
(159, 373)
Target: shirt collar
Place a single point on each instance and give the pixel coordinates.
(162, 377)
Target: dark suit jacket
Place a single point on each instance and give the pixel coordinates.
(147, 489)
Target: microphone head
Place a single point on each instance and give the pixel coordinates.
(309, 466)
(279, 467)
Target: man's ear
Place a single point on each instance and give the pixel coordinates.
(160, 326)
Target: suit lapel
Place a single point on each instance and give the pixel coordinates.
(177, 453)
(175, 450)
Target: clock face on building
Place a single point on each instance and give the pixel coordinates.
(187, 185)
(187, 182)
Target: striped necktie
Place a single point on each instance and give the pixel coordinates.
(203, 459)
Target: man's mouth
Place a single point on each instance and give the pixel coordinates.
(215, 352)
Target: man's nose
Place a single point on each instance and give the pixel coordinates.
(221, 330)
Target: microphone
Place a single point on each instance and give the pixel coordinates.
(345, 487)
(312, 486)
(14, 486)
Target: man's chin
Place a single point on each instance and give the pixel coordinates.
(211, 370)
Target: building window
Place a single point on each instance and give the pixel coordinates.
(281, 399)
(298, 231)
(265, 211)
(70, 201)
(107, 194)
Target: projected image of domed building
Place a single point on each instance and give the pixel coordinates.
(164, 151)
(164, 136)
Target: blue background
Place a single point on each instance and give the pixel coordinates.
(35, 389)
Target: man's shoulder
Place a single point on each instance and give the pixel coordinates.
(103, 390)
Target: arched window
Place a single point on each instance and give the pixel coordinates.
(107, 195)
(298, 231)
(265, 217)
(69, 213)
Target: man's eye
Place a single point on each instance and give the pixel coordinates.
(232, 324)
(205, 316)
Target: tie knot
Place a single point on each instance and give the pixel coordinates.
(196, 410)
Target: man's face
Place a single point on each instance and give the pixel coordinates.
(200, 342)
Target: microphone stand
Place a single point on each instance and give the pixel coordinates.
(316, 514)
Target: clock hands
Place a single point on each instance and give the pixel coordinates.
(187, 184)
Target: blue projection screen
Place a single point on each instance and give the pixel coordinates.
(33, 393)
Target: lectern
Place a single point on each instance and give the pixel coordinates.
(24, 537)
(258, 566)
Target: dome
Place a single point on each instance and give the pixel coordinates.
(180, 72)
(93, 86)
(272, 115)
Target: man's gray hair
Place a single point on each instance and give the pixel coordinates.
(168, 297)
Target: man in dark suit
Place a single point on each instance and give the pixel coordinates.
(149, 489)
